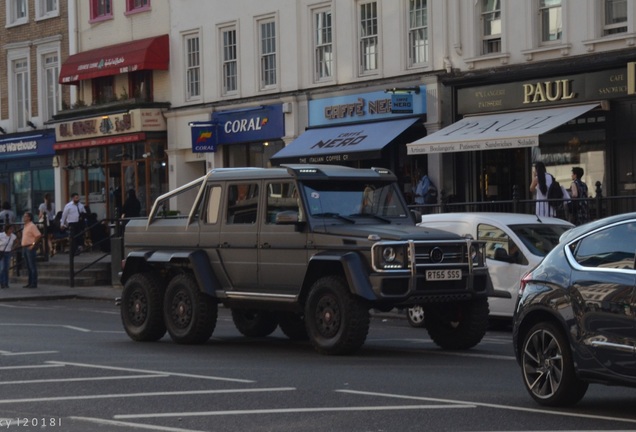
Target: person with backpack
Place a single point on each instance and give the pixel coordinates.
(579, 207)
(540, 184)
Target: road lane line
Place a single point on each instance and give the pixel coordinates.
(105, 422)
(65, 380)
(289, 411)
(153, 372)
(150, 394)
(489, 405)
(29, 367)
(9, 353)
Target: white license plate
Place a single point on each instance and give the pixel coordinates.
(441, 275)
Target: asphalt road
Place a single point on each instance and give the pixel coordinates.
(67, 365)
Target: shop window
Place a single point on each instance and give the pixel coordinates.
(323, 44)
(103, 89)
(251, 155)
(368, 35)
(101, 10)
(141, 85)
(230, 60)
(242, 203)
(267, 53)
(615, 17)
(550, 20)
(491, 26)
(418, 32)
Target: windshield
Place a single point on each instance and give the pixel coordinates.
(541, 238)
(353, 200)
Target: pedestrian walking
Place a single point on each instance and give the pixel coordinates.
(30, 237)
(7, 242)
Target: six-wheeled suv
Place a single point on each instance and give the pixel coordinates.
(309, 249)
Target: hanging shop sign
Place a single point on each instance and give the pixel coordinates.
(204, 137)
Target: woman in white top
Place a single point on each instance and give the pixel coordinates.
(541, 182)
(47, 216)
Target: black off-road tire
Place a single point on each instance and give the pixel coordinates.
(547, 367)
(293, 325)
(189, 314)
(337, 321)
(459, 325)
(254, 323)
(141, 308)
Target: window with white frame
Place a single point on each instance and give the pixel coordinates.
(192, 52)
(615, 17)
(491, 26)
(230, 60)
(323, 44)
(368, 36)
(52, 90)
(21, 94)
(267, 53)
(418, 32)
(550, 20)
(17, 12)
(46, 9)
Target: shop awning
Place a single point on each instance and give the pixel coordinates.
(143, 54)
(342, 143)
(496, 131)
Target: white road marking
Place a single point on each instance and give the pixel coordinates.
(10, 353)
(149, 394)
(289, 410)
(45, 325)
(130, 425)
(29, 367)
(65, 380)
(152, 372)
(489, 405)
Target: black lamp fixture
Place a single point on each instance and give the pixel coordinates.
(2, 131)
(31, 125)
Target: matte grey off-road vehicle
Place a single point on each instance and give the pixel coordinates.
(309, 249)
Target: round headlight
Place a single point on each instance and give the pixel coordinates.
(388, 253)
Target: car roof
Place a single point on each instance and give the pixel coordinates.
(494, 217)
(301, 171)
(591, 226)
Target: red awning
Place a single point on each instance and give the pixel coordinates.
(143, 54)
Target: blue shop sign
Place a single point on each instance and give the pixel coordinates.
(250, 125)
(379, 105)
(204, 137)
(29, 145)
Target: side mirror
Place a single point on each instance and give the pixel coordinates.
(287, 217)
(417, 216)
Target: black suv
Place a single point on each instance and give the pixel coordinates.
(308, 248)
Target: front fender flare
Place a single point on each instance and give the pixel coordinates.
(354, 268)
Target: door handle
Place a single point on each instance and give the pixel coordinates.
(266, 246)
(225, 245)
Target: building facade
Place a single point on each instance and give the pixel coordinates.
(113, 137)
(34, 37)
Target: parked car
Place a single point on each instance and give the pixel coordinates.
(515, 244)
(575, 320)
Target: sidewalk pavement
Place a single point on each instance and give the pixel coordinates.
(15, 292)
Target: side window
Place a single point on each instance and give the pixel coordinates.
(242, 205)
(494, 237)
(213, 205)
(281, 197)
(612, 248)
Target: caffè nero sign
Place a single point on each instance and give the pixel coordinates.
(539, 93)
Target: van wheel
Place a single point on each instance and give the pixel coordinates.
(254, 323)
(457, 326)
(189, 314)
(141, 302)
(293, 326)
(337, 321)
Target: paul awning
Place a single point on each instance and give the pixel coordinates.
(496, 131)
(342, 143)
(143, 54)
